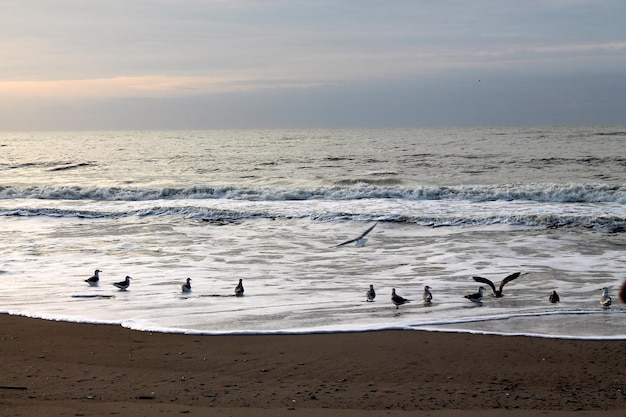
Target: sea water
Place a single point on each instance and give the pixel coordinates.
(271, 206)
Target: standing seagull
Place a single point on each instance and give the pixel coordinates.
(396, 299)
(476, 297)
(239, 289)
(187, 286)
(497, 293)
(361, 240)
(427, 296)
(123, 286)
(370, 294)
(93, 280)
(554, 297)
(605, 300)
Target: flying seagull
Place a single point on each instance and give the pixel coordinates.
(396, 299)
(361, 240)
(427, 295)
(554, 297)
(497, 293)
(93, 280)
(124, 284)
(605, 300)
(370, 294)
(476, 297)
(239, 289)
(186, 287)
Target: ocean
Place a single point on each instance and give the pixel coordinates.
(270, 207)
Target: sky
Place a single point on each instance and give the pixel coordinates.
(221, 64)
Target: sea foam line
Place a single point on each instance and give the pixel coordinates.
(433, 326)
(145, 326)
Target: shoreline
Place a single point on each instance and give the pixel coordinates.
(449, 327)
(68, 369)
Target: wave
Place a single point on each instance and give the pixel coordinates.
(539, 192)
(446, 217)
(69, 166)
(49, 166)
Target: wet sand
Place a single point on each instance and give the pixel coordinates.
(67, 369)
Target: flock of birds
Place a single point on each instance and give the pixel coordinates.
(477, 297)
(94, 280)
(397, 300)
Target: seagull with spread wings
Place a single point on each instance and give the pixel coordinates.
(361, 240)
(497, 292)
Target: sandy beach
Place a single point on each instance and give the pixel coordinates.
(67, 369)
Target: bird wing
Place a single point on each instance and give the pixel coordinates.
(486, 281)
(346, 243)
(358, 238)
(367, 231)
(509, 278)
(396, 297)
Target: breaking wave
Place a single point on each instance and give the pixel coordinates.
(448, 216)
(540, 192)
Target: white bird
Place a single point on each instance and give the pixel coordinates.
(396, 299)
(361, 240)
(239, 289)
(370, 294)
(123, 286)
(427, 296)
(93, 280)
(605, 300)
(186, 287)
(476, 297)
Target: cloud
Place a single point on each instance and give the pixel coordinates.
(144, 86)
(335, 70)
(203, 52)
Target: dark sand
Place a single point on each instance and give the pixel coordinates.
(66, 369)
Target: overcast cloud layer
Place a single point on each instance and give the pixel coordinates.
(172, 64)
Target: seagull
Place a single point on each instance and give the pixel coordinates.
(605, 300)
(239, 289)
(124, 284)
(187, 285)
(476, 297)
(93, 280)
(497, 293)
(370, 294)
(554, 297)
(427, 296)
(396, 299)
(361, 240)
